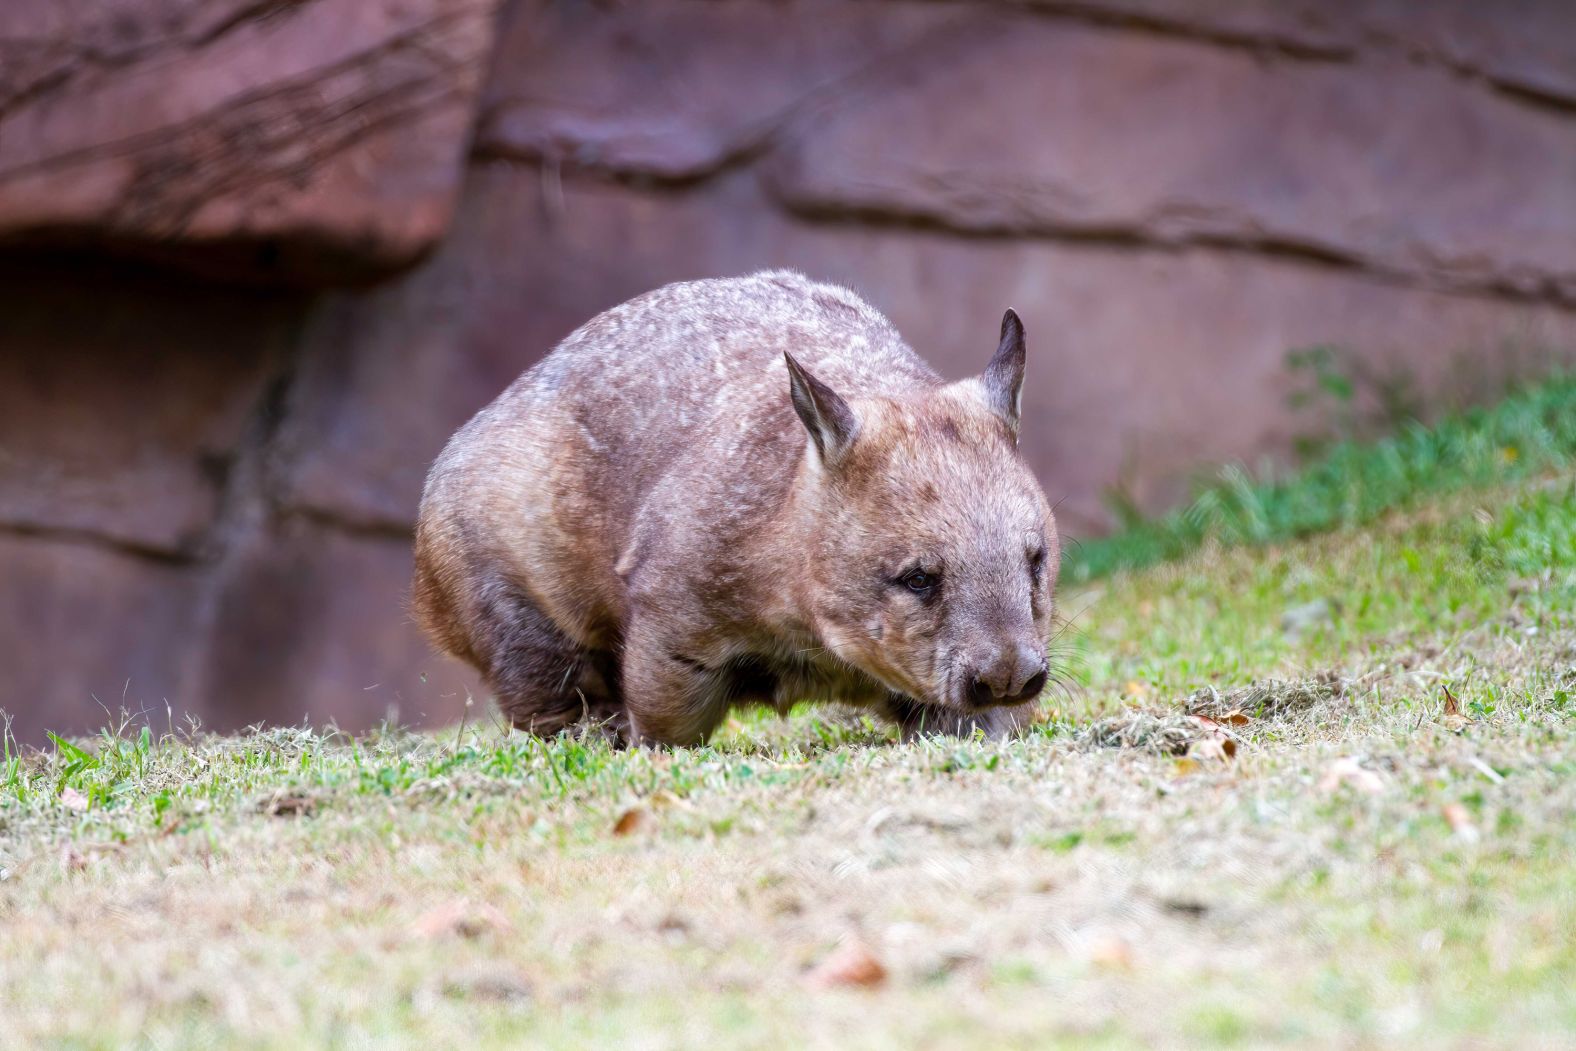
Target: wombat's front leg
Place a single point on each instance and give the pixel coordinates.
(669, 695)
(919, 720)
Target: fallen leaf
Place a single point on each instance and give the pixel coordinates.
(1460, 821)
(1183, 766)
(463, 918)
(71, 799)
(631, 821)
(1136, 689)
(1214, 748)
(1350, 772)
(850, 964)
(1215, 744)
(1453, 720)
(1235, 717)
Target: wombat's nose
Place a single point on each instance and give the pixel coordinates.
(1015, 674)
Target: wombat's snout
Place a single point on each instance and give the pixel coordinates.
(1013, 674)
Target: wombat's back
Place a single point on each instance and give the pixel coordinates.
(542, 489)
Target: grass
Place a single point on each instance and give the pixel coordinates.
(1367, 867)
(1529, 434)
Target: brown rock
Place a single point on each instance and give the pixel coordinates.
(85, 632)
(309, 622)
(677, 89)
(124, 398)
(1528, 46)
(1144, 368)
(1050, 127)
(385, 376)
(1307, 28)
(1202, 185)
(306, 622)
(308, 140)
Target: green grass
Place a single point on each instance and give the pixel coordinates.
(1365, 871)
(1528, 434)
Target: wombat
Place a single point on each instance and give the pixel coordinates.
(743, 491)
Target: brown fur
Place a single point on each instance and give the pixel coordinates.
(714, 494)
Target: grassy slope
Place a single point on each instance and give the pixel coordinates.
(288, 889)
(1530, 433)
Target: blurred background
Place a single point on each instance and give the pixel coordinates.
(259, 258)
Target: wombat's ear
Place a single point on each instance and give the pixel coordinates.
(826, 415)
(1003, 379)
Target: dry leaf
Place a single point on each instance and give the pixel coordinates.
(462, 918)
(71, 799)
(1184, 766)
(1235, 717)
(850, 964)
(1217, 749)
(1350, 772)
(631, 821)
(1453, 720)
(1136, 689)
(1460, 821)
(1216, 744)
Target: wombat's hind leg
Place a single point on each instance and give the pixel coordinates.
(543, 681)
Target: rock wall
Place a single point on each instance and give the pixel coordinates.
(259, 259)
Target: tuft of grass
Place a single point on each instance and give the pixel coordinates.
(1528, 434)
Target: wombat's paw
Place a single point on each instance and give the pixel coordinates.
(614, 729)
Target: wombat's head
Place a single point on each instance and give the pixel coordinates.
(933, 551)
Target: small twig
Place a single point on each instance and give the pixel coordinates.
(1487, 771)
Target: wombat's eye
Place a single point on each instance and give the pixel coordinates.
(917, 580)
(1037, 562)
